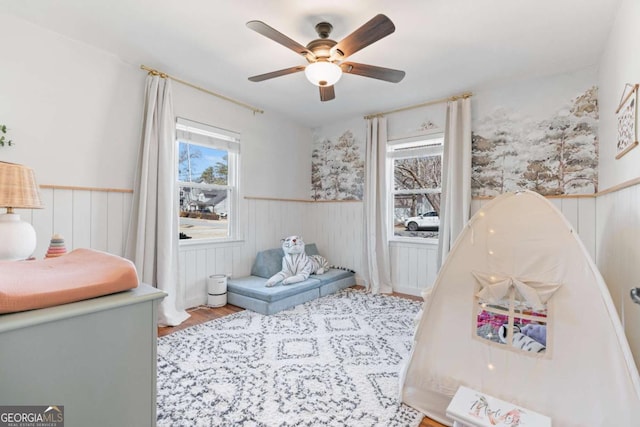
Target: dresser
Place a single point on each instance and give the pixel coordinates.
(96, 358)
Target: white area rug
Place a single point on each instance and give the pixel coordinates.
(334, 361)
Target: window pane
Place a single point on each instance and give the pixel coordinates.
(415, 215)
(417, 173)
(530, 336)
(203, 213)
(198, 163)
(528, 333)
(488, 325)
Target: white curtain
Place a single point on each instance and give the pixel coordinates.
(376, 209)
(455, 204)
(152, 242)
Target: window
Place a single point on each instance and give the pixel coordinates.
(510, 320)
(417, 176)
(207, 180)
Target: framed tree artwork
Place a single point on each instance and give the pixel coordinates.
(627, 115)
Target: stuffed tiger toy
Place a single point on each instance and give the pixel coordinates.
(296, 264)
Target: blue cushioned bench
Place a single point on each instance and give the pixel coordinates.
(251, 293)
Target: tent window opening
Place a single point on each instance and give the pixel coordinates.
(207, 180)
(512, 321)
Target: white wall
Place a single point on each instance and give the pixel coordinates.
(73, 111)
(74, 114)
(413, 263)
(536, 98)
(335, 227)
(618, 213)
(275, 153)
(620, 64)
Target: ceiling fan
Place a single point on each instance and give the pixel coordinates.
(326, 56)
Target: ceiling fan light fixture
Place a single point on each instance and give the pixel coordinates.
(323, 73)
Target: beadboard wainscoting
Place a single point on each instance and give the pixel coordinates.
(581, 214)
(199, 261)
(335, 227)
(414, 266)
(98, 219)
(618, 257)
(263, 223)
(85, 217)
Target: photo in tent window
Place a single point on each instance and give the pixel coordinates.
(512, 322)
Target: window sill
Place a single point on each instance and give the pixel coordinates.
(183, 243)
(420, 241)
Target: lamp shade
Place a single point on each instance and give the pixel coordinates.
(323, 73)
(18, 187)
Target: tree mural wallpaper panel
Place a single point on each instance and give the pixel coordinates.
(539, 134)
(337, 167)
(552, 154)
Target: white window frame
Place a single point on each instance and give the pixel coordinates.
(430, 143)
(200, 134)
(507, 309)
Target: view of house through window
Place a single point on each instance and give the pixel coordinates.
(207, 167)
(417, 180)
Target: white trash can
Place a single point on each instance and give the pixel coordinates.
(217, 290)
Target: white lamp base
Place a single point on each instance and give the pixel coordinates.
(18, 238)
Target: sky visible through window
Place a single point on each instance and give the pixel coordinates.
(194, 159)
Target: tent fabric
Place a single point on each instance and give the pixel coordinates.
(496, 286)
(586, 376)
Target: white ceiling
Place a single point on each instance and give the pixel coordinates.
(445, 46)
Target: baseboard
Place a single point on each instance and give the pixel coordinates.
(407, 290)
(195, 302)
(417, 292)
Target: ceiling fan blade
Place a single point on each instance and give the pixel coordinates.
(375, 72)
(278, 73)
(278, 37)
(327, 93)
(378, 27)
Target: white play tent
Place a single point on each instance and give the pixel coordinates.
(519, 262)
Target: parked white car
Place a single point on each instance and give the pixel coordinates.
(428, 220)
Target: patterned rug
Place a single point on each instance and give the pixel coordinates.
(333, 361)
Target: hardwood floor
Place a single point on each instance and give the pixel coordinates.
(199, 315)
(204, 314)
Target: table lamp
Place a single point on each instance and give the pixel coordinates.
(18, 190)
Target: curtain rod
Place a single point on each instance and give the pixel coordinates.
(424, 104)
(167, 76)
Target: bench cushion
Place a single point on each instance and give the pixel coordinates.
(251, 293)
(336, 285)
(332, 275)
(254, 287)
(268, 308)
